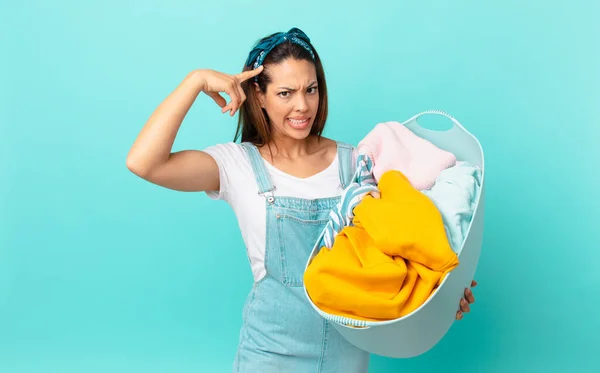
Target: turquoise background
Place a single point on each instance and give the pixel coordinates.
(101, 271)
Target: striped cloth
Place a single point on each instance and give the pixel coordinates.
(363, 183)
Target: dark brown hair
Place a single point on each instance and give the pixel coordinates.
(253, 122)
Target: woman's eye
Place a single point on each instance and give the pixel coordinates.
(283, 94)
(312, 90)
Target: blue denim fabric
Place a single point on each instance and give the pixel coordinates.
(281, 332)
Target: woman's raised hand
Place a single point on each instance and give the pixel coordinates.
(215, 82)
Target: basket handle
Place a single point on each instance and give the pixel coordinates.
(437, 112)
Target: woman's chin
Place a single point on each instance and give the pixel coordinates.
(298, 134)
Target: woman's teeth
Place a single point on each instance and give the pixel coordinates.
(298, 123)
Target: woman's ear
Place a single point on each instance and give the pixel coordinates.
(260, 95)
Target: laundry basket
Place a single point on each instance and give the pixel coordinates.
(420, 330)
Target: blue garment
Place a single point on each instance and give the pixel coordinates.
(455, 194)
(281, 332)
(363, 183)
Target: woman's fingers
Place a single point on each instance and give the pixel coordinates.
(464, 306)
(232, 91)
(466, 301)
(217, 98)
(469, 297)
(231, 84)
(249, 74)
(239, 78)
(237, 99)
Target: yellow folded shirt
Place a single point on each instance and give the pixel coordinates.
(389, 262)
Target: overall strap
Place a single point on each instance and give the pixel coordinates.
(258, 166)
(346, 164)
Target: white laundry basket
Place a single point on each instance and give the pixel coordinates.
(417, 332)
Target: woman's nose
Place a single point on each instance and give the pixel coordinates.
(301, 103)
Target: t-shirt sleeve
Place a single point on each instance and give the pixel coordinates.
(225, 157)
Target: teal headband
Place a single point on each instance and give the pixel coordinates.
(259, 52)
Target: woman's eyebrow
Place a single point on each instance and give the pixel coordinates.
(293, 89)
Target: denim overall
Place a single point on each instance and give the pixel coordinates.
(281, 332)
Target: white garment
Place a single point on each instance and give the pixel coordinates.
(239, 189)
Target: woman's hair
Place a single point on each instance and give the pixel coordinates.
(253, 123)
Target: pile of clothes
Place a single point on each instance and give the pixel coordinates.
(398, 229)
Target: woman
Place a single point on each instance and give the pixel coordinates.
(281, 181)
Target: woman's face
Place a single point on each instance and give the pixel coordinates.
(291, 99)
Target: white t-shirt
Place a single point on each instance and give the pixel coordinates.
(239, 189)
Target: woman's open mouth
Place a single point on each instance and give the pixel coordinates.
(298, 123)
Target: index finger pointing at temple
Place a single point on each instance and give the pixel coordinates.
(249, 74)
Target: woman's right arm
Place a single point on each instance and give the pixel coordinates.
(151, 156)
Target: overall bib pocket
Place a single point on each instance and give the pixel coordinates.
(297, 235)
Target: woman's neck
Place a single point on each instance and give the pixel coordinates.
(290, 148)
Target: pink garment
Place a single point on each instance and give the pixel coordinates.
(392, 146)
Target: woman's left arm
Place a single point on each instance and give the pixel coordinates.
(466, 301)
